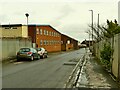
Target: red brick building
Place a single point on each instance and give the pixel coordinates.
(68, 43)
(45, 36)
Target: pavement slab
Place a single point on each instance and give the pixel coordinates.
(94, 76)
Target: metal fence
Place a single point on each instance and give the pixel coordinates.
(116, 57)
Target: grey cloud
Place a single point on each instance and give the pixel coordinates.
(75, 28)
(4, 18)
(65, 11)
(76, 31)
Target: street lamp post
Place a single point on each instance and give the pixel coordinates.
(92, 25)
(27, 20)
(27, 17)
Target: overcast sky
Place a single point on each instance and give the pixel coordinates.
(70, 17)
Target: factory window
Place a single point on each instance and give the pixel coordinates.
(44, 42)
(68, 41)
(37, 31)
(40, 31)
(14, 28)
(50, 33)
(52, 42)
(49, 42)
(7, 28)
(47, 32)
(56, 34)
(44, 32)
(53, 33)
(57, 42)
(61, 42)
(40, 42)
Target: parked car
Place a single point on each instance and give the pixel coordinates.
(27, 53)
(83, 46)
(42, 52)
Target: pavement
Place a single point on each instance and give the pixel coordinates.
(93, 75)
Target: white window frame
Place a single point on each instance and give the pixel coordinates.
(44, 32)
(41, 42)
(40, 30)
(37, 31)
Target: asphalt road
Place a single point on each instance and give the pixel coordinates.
(50, 72)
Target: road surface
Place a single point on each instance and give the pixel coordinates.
(51, 72)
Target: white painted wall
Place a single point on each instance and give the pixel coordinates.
(10, 46)
(119, 12)
(115, 57)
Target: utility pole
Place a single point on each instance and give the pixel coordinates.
(92, 27)
(98, 39)
(89, 40)
(98, 27)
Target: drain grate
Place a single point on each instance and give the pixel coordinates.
(72, 62)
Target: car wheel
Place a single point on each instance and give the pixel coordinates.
(32, 58)
(38, 57)
(46, 55)
(43, 56)
(18, 59)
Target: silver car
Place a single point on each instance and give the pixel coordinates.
(27, 53)
(42, 52)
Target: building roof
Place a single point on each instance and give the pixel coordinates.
(44, 25)
(68, 37)
(87, 41)
(12, 25)
(7, 25)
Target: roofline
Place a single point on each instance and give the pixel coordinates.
(44, 25)
(55, 29)
(69, 37)
(38, 25)
(7, 25)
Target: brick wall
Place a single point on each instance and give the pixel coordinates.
(45, 36)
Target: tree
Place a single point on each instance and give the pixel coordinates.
(104, 31)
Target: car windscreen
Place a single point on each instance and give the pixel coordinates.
(39, 49)
(24, 50)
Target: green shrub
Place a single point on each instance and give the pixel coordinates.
(106, 55)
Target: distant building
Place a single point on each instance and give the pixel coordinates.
(14, 30)
(45, 36)
(75, 44)
(88, 42)
(68, 43)
(42, 36)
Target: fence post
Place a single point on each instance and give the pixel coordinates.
(118, 57)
